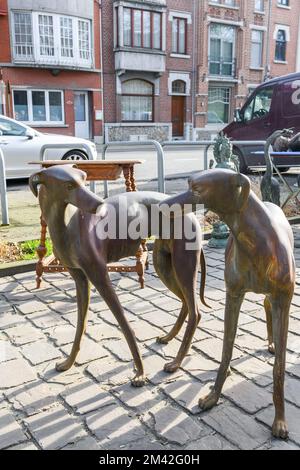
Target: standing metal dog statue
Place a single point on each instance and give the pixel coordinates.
(259, 258)
(69, 210)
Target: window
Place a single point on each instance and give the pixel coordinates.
(260, 105)
(222, 44)
(179, 35)
(256, 48)
(280, 50)
(285, 3)
(142, 28)
(179, 87)
(11, 128)
(260, 5)
(23, 44)
(38, 106)
(58, 40)
(137, 101)
(218, 105)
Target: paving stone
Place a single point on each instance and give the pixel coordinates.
(87, 443)
(257, 328)
(144, 331)
(10, 431)
(114, 428)
(137, 306)
(97, 305)
(139, 399)
(86, 396)
(90, 351)
(253, 345)
(292, 390)
(4, 306)
(24, 446)
(214, 327)
(185, 392)
(47, 319)
(15, 372)
(24, 334)
(149, 443)
(54, 428)
(127, 283)
(10, 319)
(211, 442)
(292, 416)
(48, 373)
(167, 351)
(111, 372)
(103, 331)
(260, 372)
(201, 368)
(62, 307)
(246, 395)
(173, 425)
(32, 398)
(39, 352)
(213, 349)
(62, 335)
(293, 343)
(10, 286)
(160, 319)
(276, 444)
(239, 428)
(154, 369)
(7, 351)
(166, 303)
(31, 307)
(214, 294)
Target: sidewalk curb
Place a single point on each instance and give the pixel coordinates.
(21, 267)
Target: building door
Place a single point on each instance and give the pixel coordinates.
(178, 110)
(81, 109)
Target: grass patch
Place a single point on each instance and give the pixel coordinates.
(28, 249)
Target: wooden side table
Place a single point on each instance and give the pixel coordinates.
(96, 171)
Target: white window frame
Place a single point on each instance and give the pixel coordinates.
(57, 59)
(252, 65)
(234, 51)
(47, 106)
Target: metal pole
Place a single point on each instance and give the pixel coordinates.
(105, 183)
(3, 191)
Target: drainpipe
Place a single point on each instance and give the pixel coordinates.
(268, 49)
(101, 66)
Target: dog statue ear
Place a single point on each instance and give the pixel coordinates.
(34, 181)
(243, 187)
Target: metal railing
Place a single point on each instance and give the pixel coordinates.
(159, 154)
(3, 191)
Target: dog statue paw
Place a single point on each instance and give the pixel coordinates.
(138, 381)
(280, 429)
(209, 401)
(64, 366)
(162, 340)
(271, 348)
(171, 367)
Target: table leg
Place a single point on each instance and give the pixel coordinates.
(41, 252)
(132, 179)
(127, 176)
(140, 269)
(145, 250)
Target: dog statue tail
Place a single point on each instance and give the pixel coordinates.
(203, 279)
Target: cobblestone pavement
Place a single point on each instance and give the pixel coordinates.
(93, 406)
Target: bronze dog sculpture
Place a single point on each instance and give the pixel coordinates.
(69, 210)
(259, 258)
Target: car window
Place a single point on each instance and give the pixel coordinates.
(11, 128)
(260, 105)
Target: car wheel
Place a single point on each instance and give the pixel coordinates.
(243, 166)
(284, 169)
(75, 155)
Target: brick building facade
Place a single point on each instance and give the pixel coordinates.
(50, 64)
(170, 68)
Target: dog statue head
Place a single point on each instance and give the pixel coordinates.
(65, 184)
(221, 191)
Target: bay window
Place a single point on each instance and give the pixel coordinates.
(52, 39)
(142, 28)
(38, 106)
(137, 101)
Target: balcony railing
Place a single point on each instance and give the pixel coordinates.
(222, 67)
(27, 54)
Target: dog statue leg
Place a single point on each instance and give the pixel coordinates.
(232, 310)
(100, 278)
(280, 312)
(176, 328)
(268, 310)
(83, 300)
